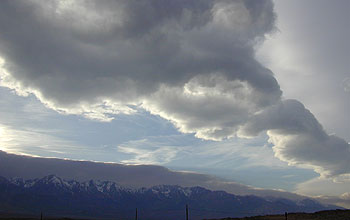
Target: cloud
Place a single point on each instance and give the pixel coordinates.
(346, 84)
(299, 139)
(185, 152)
(322, 186)
(99, 59)
(211, 106)
(33, 141)
(342, 200)
(190, 62)
(143, 153)
(326, 191)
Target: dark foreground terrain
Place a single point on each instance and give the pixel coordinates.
(322, 215)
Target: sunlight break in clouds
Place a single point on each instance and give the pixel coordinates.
(27, 142)
(191, 62)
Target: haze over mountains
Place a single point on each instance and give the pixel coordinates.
(128, 176)
(134, 176)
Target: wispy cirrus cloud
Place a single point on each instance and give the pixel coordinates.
(143, 154)
(30, 142)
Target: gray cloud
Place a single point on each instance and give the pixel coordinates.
(212, 107)
(190, 62)
(346, 84)
(299, 139)
(96, 59)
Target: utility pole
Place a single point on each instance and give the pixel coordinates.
(286, 215)
(186, 212)
(41, 215)
(136, 214)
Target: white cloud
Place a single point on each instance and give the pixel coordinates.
(144, 153)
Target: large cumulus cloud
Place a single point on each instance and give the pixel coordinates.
(97, 58)
(191, 62)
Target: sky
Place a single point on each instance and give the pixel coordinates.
(238, 90)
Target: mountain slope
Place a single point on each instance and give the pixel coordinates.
(106, 199)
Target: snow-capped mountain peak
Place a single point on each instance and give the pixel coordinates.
(106, 198)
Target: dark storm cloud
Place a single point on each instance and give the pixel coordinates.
(191, 62)
(122, 51)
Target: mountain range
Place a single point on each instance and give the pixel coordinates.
(55, 196)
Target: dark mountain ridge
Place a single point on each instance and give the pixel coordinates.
(105, 199)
